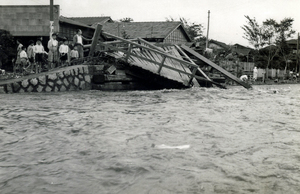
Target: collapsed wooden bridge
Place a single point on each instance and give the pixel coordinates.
(169, 66)
(141, 65)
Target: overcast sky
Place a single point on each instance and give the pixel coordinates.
(226, 16)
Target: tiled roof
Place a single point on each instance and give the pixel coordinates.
(92, 20)
(221, 44)
(70, 21)
(142, 29)
(292, 41)
(243, 52)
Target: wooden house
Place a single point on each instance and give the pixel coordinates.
(245, 54)
(159, 32)
(68, 28)
(292, 43)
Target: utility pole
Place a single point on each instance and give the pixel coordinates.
(207, 30)
(51, 19)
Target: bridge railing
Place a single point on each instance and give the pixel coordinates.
(128, 48)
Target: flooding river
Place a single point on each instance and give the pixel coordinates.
(203, 140)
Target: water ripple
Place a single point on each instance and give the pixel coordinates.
(239, 141)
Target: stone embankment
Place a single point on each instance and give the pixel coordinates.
(64, 79)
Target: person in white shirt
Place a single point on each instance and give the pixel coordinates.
(255, 72)
(244, 78)
(23, 58)
(38, 52)
(53, 51)
(78, 41)
(74, 53)
(63, 52)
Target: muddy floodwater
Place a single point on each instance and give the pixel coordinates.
(200, 140)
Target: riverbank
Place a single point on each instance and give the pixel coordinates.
(269, 82)
(276, 82)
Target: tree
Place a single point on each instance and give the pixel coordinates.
(284, 31)
(253, 33)
(194, 30)
(127, 19)
(268, 35)
(271, 33)
(7, 46)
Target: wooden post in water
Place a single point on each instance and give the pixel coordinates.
(95, 39)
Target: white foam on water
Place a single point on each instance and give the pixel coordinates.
(163, 146)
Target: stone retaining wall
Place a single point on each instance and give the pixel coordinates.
(64, 79)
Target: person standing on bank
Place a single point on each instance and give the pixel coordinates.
(39, 51)
(30, 53)
(78, 41)
(23, 59)
(74, 54)
(255, 72)
(63, 52)
(18, 60)
(53, 51)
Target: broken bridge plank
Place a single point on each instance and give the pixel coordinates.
(215, 66)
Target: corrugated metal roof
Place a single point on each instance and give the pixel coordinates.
(142, 29)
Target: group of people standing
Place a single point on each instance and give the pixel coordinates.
(36, 58)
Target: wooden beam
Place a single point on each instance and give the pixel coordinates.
(215, 66)
(188, 58)
(150, 45)
(128, 52)
(161, 64)
(118, 41)
(193, 75)
(95, 39)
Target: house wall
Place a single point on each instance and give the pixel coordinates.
(68, 31)
(176, 37)
(28, 20)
